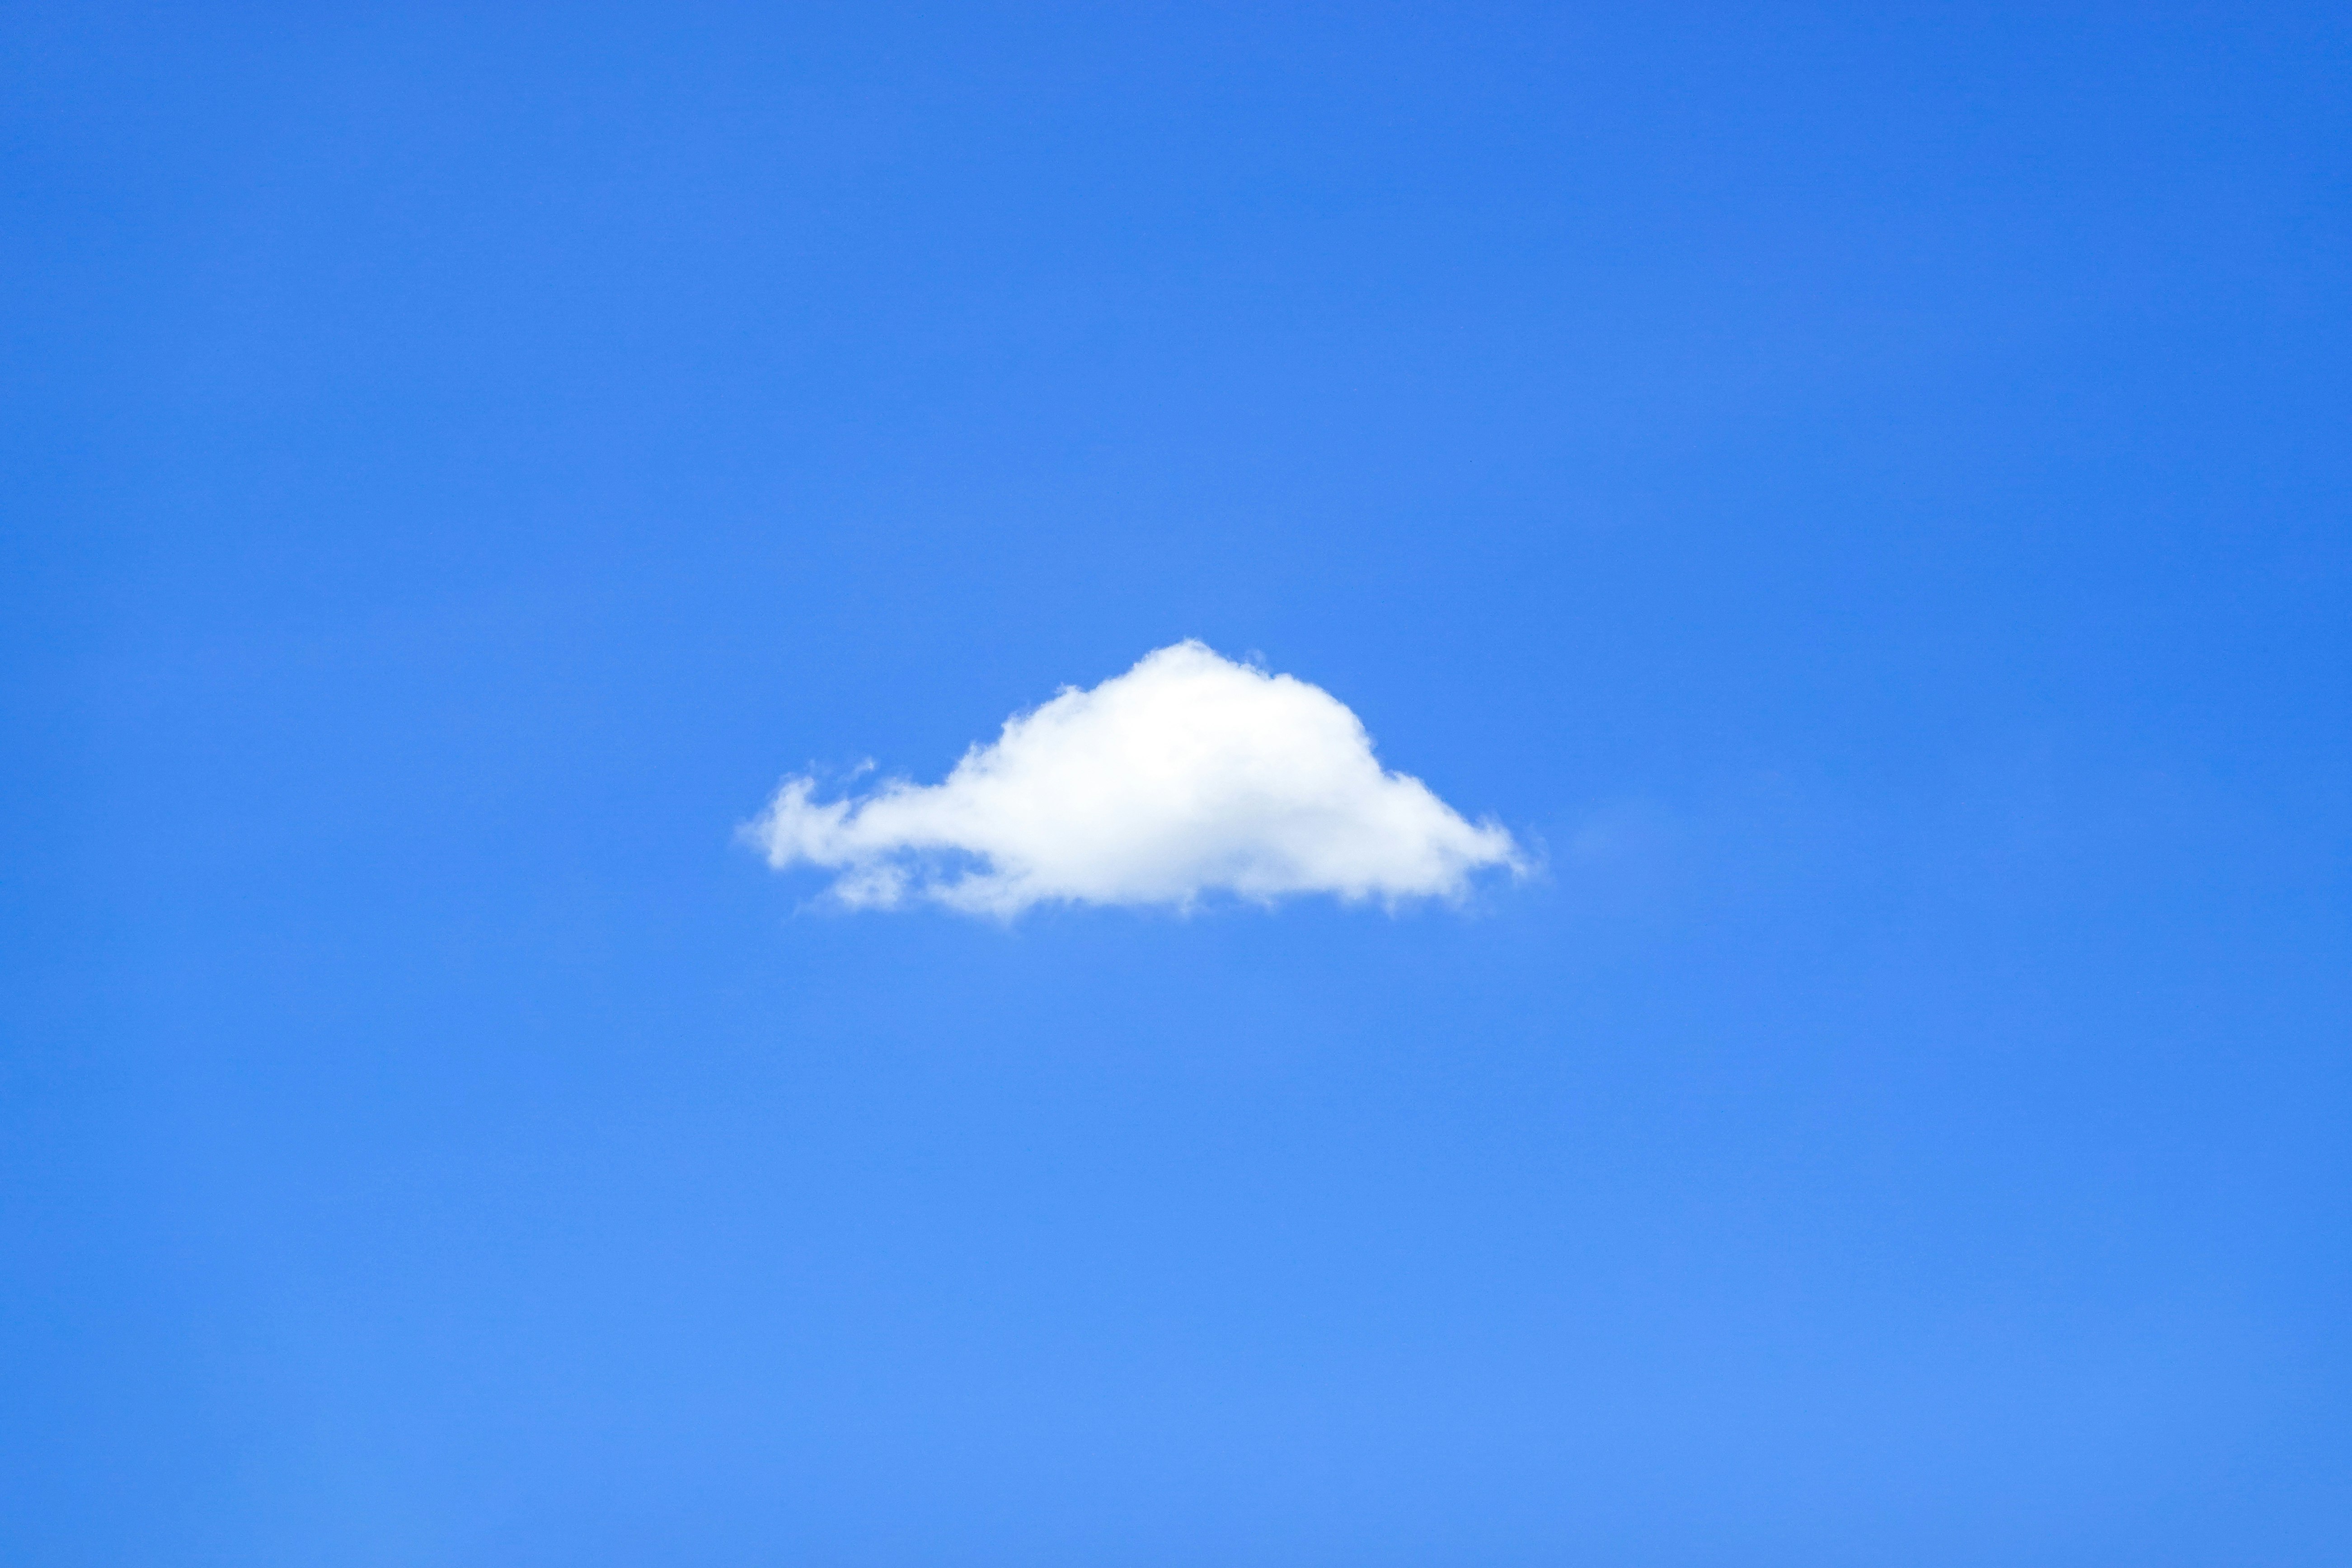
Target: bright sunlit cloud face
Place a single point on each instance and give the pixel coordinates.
(1188, 775)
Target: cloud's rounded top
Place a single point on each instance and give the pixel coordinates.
(1189, 774)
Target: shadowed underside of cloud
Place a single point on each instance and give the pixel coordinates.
(1188, 775)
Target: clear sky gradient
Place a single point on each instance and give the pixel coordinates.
(1859, 492)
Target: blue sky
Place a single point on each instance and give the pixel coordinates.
(1857, 493)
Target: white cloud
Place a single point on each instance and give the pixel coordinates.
(1188, 775)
